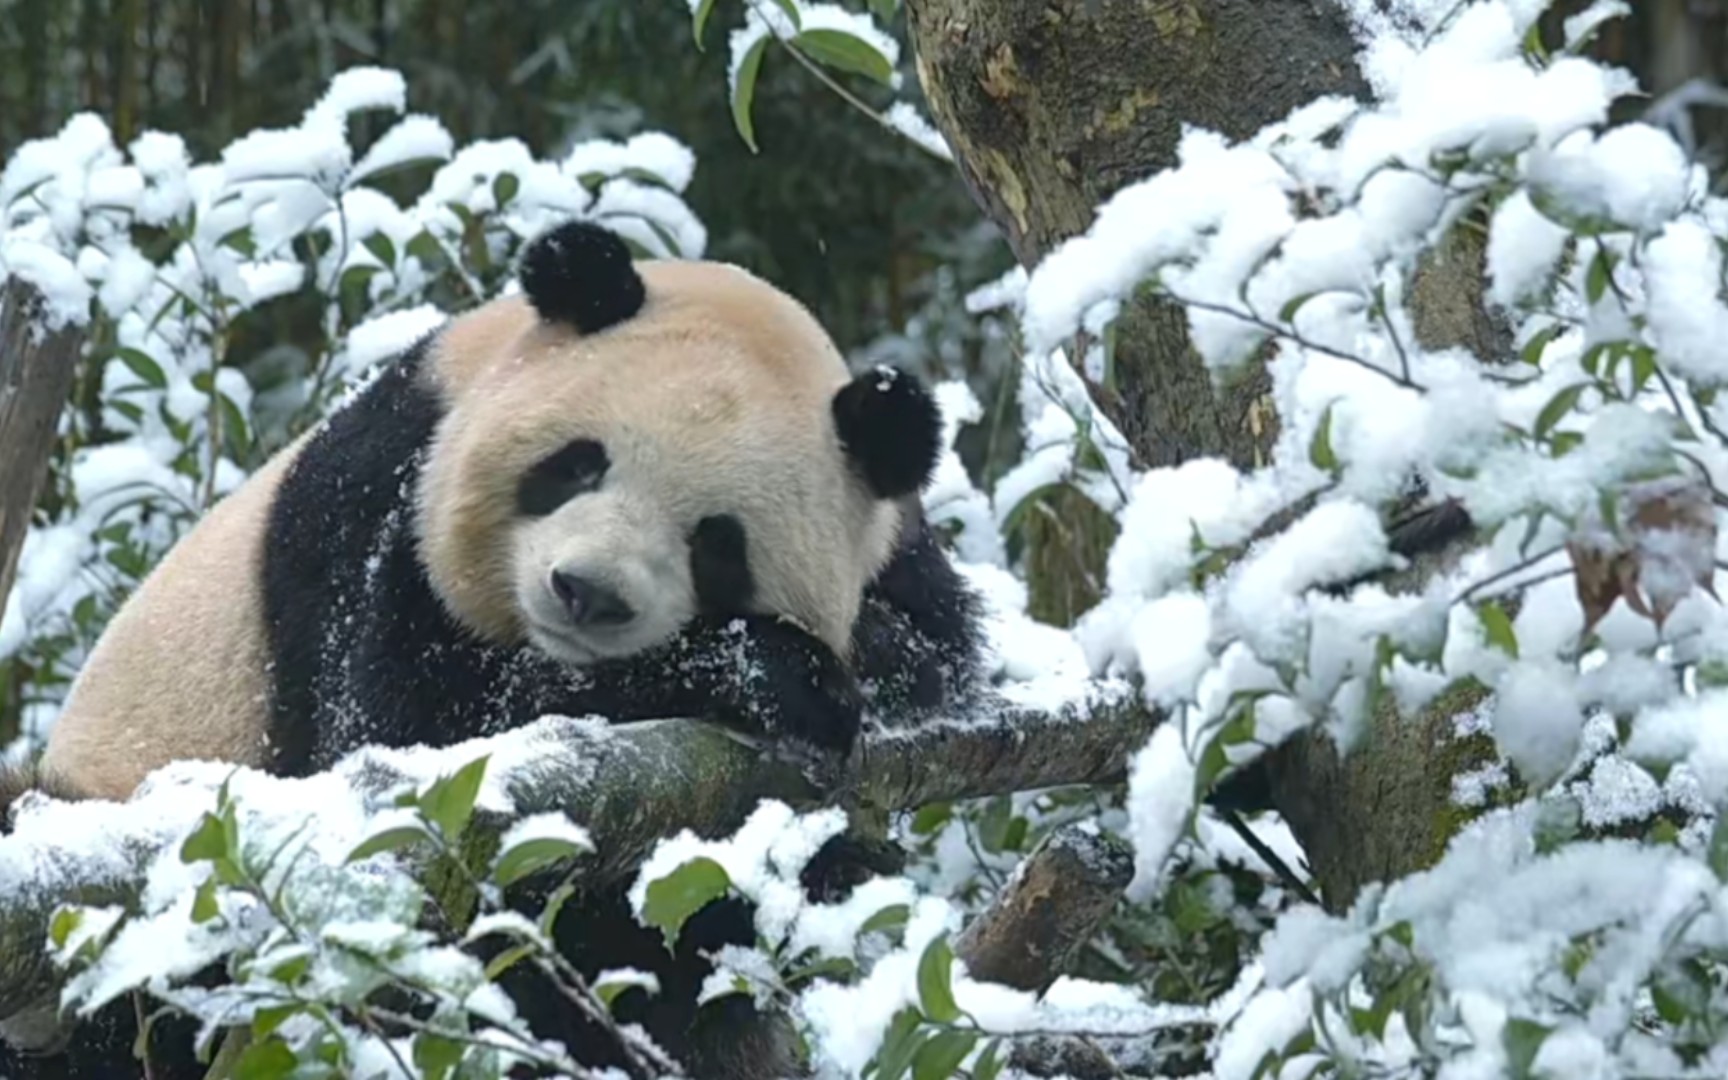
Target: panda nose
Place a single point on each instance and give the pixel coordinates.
(589, 602)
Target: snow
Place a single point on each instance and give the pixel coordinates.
(547, 826)
(1688, 320)
(384, 336)
(66, 295)
(1170, 636)
(1538, 720)
(653, 152)
(412, 139)
(905, 118)
(1524, 249)
(1160, 804)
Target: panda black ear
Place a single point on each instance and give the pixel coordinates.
(582, 274)
(891, 428)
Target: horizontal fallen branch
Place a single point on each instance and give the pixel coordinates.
(628, 785)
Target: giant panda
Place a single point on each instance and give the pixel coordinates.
(634, 490)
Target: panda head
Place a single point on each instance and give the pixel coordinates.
(626, 446)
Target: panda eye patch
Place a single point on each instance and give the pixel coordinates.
(574, 469)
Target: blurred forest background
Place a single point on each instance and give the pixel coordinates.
(850, 219)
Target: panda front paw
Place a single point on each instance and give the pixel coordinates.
(790, 685)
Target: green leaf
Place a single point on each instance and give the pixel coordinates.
(1558, 407)
(389, 840)
(204, 901)
(1523, 1039)
(1712, 674)
(1498, 627)
(555, 904)
(893, 917)
(845, 52)
(993, 825)
(744, 93)
(425, 248)
(65, 922)
(1533, 349)
(141, 365)
(290, 971)
(435, 1055)
(241, 240)
(935, 982)
(674, 898)
(1320, 448)
(1600, 274)
(1643, 367)
(382, 248)
(504, 188)
(989, 1063)
(607, 990)
(931, 817)
(267, 1060)
(531, 856)
(208, 842)
(1564, 442)
(1559, 821)
(942, 1055)
(449, 801)
(268, 1019)
(508, 959)
(699, 20)
(899, 1044)
(1287, 313)
(834, 967)
(791, 10)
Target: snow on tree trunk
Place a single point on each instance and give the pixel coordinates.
(37, 366)
(1051, 109)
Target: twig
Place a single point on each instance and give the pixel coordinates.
(1270, 857)
(1290, 334)
(845, 95)
(1502, 575)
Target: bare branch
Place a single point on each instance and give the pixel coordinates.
(37, 366)
(1061, 895)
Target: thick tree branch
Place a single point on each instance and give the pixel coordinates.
(1059, 897)
(628, 785)
(36, 373)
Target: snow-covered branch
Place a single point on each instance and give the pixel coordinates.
(628, 786)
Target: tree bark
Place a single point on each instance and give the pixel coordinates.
(1053, 107)
(1059, 897)
(37, 367)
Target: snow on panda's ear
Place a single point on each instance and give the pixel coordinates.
(891, 429)
(581, 273)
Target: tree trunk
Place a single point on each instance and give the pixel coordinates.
(36, 371)
(1053, 107)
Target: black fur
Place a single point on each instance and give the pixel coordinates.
(582, 274)
(720, 566)
(891, 428)
(567, 472)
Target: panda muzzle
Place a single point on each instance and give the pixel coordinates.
(590, 603)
